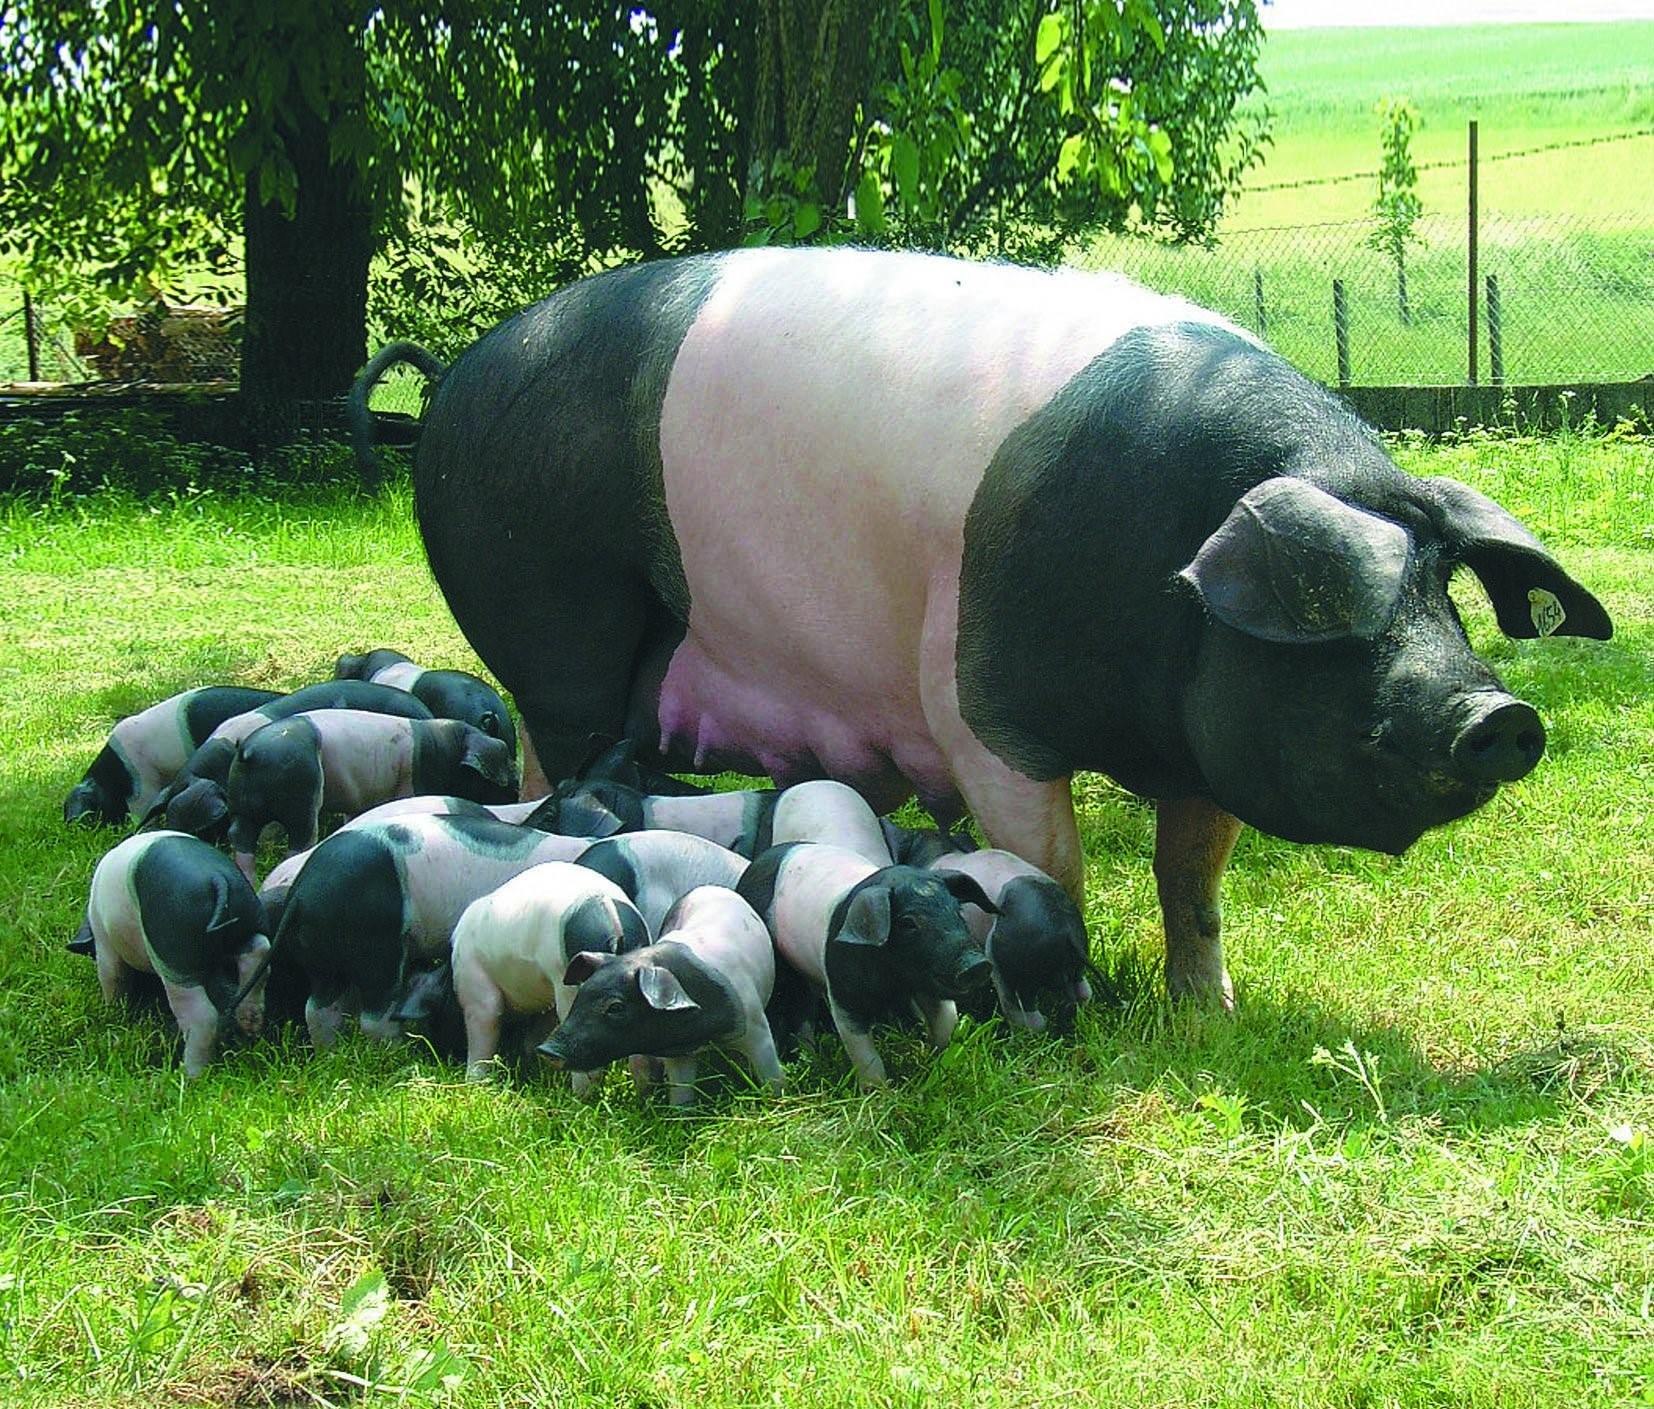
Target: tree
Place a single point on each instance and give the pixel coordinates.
(1397, 205)
(492, 139)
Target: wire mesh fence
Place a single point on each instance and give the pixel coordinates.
(1559, 298)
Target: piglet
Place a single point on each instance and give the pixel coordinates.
(1036, 943)
(168, 904)
(920, 846)
(707, 979)
(657, 869)
(146, 750)
(374, 908)
(512, 946)
(341, 760)
(879, 941)
(448, 694)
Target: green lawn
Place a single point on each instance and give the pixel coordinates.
(1454, 1206)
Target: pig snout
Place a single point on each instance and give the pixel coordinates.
(1500, 740)
(552, 1053)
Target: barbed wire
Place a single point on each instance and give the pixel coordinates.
(1447, 163)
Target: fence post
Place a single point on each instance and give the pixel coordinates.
(1495, 333)
(1471, 378)
(1341, 331)
(1257, 301)
(31, 336)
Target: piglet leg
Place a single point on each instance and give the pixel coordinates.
(940, 1016)
(249, 1017)
(1192, 844)
(864, 1056)
(114, 973)
(1014, 1012)
(198, 1021)
(680, 1080)
(760, 1050)
(483, 1004)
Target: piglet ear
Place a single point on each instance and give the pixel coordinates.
(489, 757)
(661, 989)
(867, 921)
(348, 667)
(1531, 594)
(583, 965)
(967, 891)
(1295, 565)
(582, 815)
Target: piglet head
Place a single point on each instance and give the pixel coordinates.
(628, 1004)
(487, 772)
(914, 916)
(1039, 951)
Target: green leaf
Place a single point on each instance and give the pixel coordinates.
(1048, 38)
(1068, 155)
(806, 219)
(870, 204)
(1160, 148)
(904, 166)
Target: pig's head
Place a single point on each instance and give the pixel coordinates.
(588, 809)
(201, 808)
(487, 772)
(633, 1004)
(1334, 695)
(1039, 948)
(912, 915)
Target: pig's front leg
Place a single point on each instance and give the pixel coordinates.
(1192, 844)
(680, 1080)
(864, 1056)
(483, 1005)
(198, 1021)
(940, 1016)
(1034, 820)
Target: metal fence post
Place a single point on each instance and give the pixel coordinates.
(1471, 378)
(1495, 333)
(1341, 331)
(31, 336)
(1257, 302)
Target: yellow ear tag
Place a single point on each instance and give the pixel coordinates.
(1545, 610)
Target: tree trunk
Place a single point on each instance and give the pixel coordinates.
(1402, 306)
(307, 286)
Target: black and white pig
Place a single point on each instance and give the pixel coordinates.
(146, 750)
(1036, 943)
(195, 801)
(345, 760)
(705, 981)
(745, 822)
(168, 904)
(512, 946)
(1031, 522)
(880, 942)
(657, 869)
(919, 846)
(448, 694)
(373, 909)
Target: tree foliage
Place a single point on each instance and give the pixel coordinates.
(500, 144)
(1397, 206)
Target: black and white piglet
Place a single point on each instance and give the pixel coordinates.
(448, 694)
(168, 904)
(342, 760)
(374, 908)
(879, 941)
(146, 750)
(706, 980)
(512, 947)
(1036, 943)
(194, 801)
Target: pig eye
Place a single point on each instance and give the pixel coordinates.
(614, 1007)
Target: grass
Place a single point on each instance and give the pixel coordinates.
(1412, 1169)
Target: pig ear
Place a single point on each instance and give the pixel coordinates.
(426, 991)
(867, 921)
(582, 815)
(583, 965)
(488, 756)
(661, 989)
(966, 891)
(1292, 564)
(1531, 594)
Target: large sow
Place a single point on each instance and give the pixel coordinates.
(962, 529)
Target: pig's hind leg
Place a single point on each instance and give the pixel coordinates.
(198, 1021)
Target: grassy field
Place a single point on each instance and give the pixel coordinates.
(1414, 1168)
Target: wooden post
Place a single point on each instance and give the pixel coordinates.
(1257, 302)
(1495, 333)
(1471, 377)
(31, 336)
(1341, 331)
